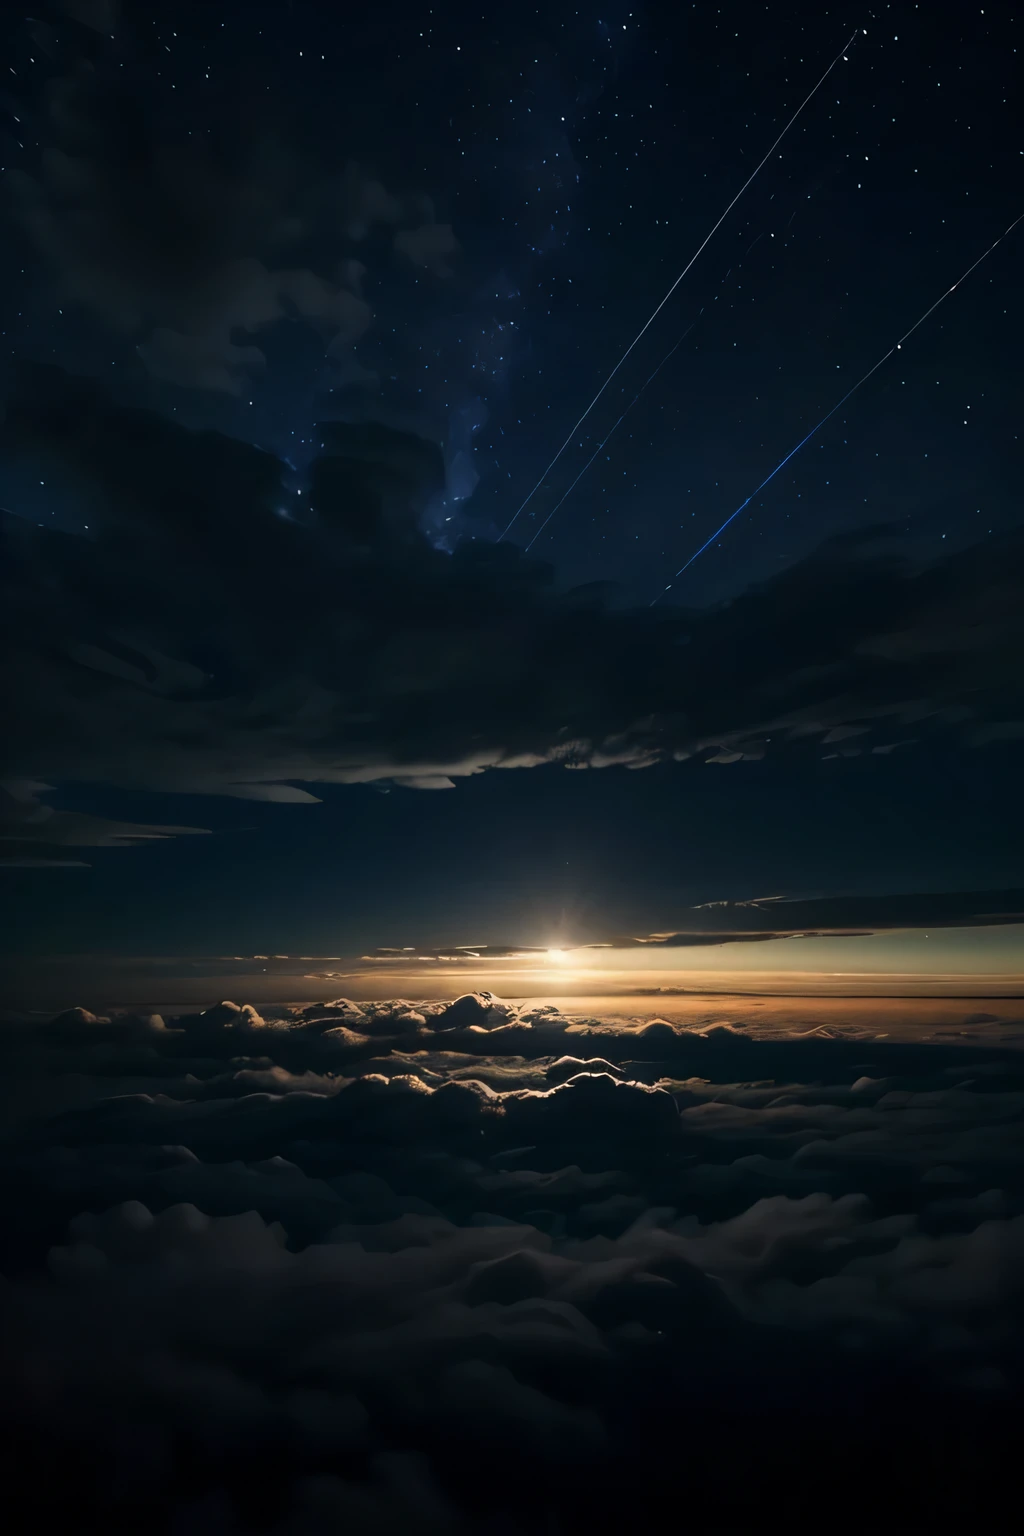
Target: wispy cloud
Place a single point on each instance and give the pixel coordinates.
(769, 918)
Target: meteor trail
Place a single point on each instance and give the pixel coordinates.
(633, 402)
(679, 279)
(884, 359)
(608, 435)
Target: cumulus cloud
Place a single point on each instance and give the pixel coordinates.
(380, 1269)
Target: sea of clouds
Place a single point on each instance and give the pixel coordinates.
(479, 1267)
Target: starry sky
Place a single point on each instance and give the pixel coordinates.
(452, 221)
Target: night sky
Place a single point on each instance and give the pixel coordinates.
(254, 220)
(511, 746)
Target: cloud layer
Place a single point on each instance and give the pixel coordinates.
(775, 917)
(397, 1263)
(209, 636)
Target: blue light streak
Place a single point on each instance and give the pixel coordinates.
(794, 451)
(841, 54)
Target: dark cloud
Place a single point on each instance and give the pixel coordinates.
(387, 953)
(212, 634)
(276, 1272)
(192, 248)
(35, 835)
(775, 917)
(429, 245)
(724, 922)
(100, 15)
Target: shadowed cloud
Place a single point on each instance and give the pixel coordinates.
(192, 249)
(363, 1265)
(195, 640)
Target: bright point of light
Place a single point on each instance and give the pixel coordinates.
(558, 957)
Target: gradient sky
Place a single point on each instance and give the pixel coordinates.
(188, 190)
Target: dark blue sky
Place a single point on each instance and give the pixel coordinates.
(527, 855)
(254, 218)
(580, 158)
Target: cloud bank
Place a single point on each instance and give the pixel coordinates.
(210, 637)
(397, 1264)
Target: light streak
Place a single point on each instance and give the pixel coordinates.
(650, 321)
(884, 359)
(636, 397)
(610, 434)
